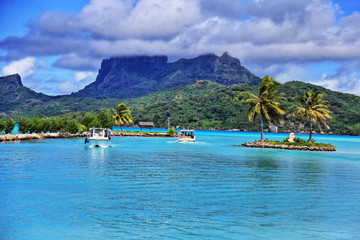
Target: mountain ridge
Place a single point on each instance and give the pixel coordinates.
(14, 95)
(135, 76)
(199, 104)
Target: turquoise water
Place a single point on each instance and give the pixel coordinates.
(156, 188)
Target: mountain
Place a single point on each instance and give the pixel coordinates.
(215, 107)
(129, 77)
(14, 96)
(207, 104)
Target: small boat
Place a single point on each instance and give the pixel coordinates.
(99, 137)
(186, 136)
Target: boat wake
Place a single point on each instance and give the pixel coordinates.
(191, 143)
(98, 146)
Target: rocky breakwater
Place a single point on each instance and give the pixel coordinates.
(36, 136)
(265, 144)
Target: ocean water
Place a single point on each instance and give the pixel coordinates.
(157, 188)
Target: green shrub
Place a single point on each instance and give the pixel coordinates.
(172, 132)
(299, 140)
(296, 140)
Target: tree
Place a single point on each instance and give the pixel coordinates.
(122, 115)
(265, 104)
(314, 108)
(9, 126)
(71, 126)
(2, 125)
(88, 120)
(105, 119)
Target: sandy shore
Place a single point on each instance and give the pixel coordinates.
(22, 137)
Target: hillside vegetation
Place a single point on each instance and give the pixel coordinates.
(205, 105)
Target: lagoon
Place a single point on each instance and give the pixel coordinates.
(157, 188)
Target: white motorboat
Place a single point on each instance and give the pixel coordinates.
(186, 136)
(99, 137)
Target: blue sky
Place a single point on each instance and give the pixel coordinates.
(57, 45)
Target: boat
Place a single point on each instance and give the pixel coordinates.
(186, 136)
(99, 137)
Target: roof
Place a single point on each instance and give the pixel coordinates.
(146, 123)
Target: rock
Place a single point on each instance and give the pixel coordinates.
(260, 144)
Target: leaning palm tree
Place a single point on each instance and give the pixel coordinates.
(314, 108)
(122, 115)
(265, 104)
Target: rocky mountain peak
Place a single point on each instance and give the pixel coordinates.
(11, 80)
(134, 76)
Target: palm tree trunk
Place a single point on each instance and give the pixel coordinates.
(262, 129)
(310, 135)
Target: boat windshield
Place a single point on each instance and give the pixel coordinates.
(99, 132)
(187, 133)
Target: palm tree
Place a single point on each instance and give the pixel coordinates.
(265, 104)
(122, 115)
(314, 108)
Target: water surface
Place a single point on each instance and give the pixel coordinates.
(156, 188)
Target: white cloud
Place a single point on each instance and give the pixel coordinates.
(24, 67)
(84, 78)
(349, 83)
(150, 19)
(81, 79)
(343, 81)
(293, 72)
(263, 33)
(79, 76)
(67, 87)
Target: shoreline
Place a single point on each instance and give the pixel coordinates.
(37, 136)
(264, 144)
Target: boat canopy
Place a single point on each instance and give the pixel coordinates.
(100, 132)
(187, 133)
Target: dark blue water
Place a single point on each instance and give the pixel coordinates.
(156, 188)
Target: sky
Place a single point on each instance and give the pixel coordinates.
(57, 45)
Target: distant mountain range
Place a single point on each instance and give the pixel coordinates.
(173, 90)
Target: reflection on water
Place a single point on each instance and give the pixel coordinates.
(152, 188)
(97, 154)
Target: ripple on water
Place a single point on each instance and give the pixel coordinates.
(153, 188)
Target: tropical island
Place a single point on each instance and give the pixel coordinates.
(157, 91)
(265, 105)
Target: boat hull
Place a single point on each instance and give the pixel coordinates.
(186, 140)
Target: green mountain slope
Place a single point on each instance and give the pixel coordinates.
(345, 107)
(203, 104)
(15, 98)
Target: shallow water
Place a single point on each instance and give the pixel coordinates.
(156, 188)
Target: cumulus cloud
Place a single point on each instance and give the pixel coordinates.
(150, 19)
(79, 81)
(261, 33)
(76, 62)
(25, 67)
(346, 79)
(67, 87)
(258, 31)
(84, 78)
